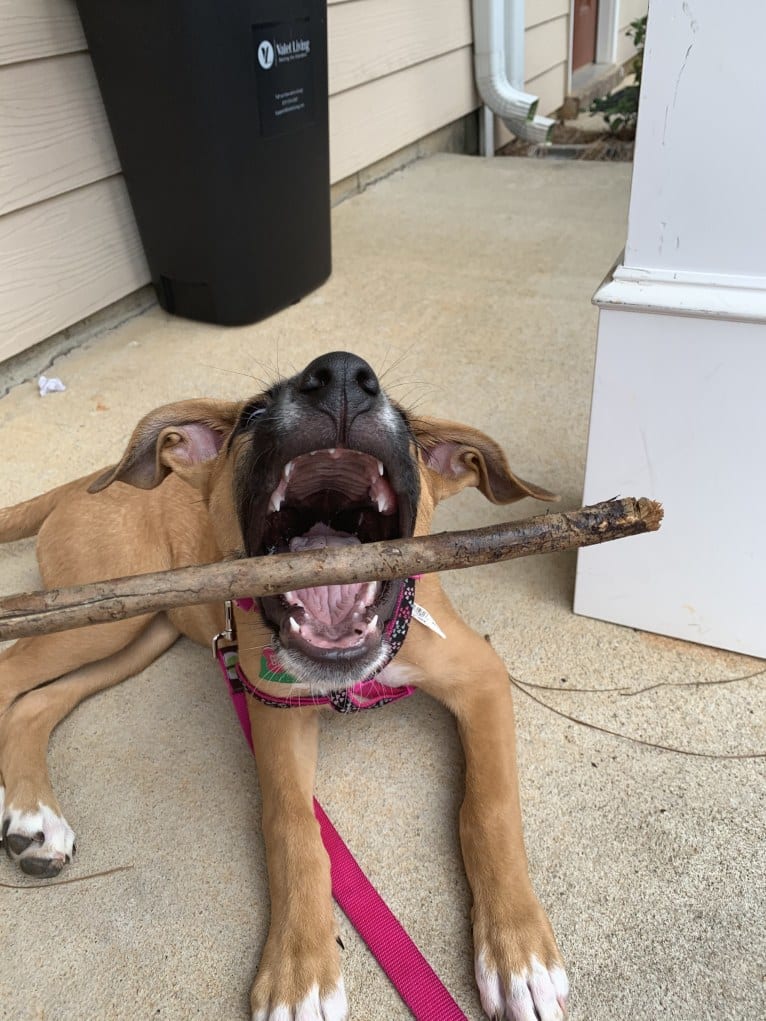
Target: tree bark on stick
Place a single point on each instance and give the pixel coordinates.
(38, 613)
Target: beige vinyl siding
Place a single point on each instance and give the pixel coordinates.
(30, 29)
(370, 39)
(547, 53)
(62, 259)
(550, 87)
(54, 131)
(628, 11)
(545, 47)
(408, 105)
(538, 11)
(398, 70)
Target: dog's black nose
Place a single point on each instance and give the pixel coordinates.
(340, 380)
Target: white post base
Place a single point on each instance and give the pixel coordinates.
(679, 415)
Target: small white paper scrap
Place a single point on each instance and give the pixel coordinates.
(49, 386)
(425, 618)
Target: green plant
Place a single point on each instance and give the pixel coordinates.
(620, 108)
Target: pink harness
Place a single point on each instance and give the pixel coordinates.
(367, 694)
(410, 973)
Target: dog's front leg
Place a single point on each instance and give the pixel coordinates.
(518, 967)
(519, 970)
(299, 974)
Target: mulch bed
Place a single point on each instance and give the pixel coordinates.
(574, 144)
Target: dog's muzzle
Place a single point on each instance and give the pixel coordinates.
(360, 487)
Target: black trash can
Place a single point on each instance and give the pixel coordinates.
(219, 114)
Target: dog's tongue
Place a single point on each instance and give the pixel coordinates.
(320, 536)
(329, 605)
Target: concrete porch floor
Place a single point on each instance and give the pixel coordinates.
(469, 283)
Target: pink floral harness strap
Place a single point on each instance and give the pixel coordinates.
(370, 693)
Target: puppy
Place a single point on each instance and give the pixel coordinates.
(323, 458)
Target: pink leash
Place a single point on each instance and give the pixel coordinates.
(411, 974)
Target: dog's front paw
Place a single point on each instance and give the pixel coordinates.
(298, 983)
(315, 1006)
(40, 841)
(519, 971)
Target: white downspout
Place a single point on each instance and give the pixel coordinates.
(498, 32)
(538, 129)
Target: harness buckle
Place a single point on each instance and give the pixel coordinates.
(228, 632)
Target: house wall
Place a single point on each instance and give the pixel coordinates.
(399, 70)
(546, 52)
(627, 11)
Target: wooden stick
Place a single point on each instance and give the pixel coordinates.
(38, 613)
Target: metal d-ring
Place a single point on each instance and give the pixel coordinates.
(228, 632)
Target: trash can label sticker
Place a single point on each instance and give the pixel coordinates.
(284, 76)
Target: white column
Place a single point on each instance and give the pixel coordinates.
(679, 401)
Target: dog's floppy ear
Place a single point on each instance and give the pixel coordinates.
(458, 456)
(175, 437)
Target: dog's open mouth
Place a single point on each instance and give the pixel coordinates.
(334, 497)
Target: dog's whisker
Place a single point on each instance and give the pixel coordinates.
(406, 353)
(233, 372)
(415, 407)
(384, 368)
(426, 383)
(410, 395)
(272, 376)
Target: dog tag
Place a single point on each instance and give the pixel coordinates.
(425, 618)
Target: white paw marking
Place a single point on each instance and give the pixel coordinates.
(335, 1004)
(536, 994)
(57, 841)
(313, 1007)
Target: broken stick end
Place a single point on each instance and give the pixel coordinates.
(651, 513)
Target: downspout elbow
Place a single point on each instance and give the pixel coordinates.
(539, 129)
(502, 98)
(492, 80)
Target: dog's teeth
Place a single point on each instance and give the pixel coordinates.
(288, 469)
(381, 469)
(294, 626)
(332, 451)
(278, 497)
(373, 623)
(382, 495)
(370, 592)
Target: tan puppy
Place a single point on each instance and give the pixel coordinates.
(322, 458)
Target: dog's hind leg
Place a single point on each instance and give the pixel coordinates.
(34, 831)
(30, 662)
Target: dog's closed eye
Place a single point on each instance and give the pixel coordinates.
(252, 413)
